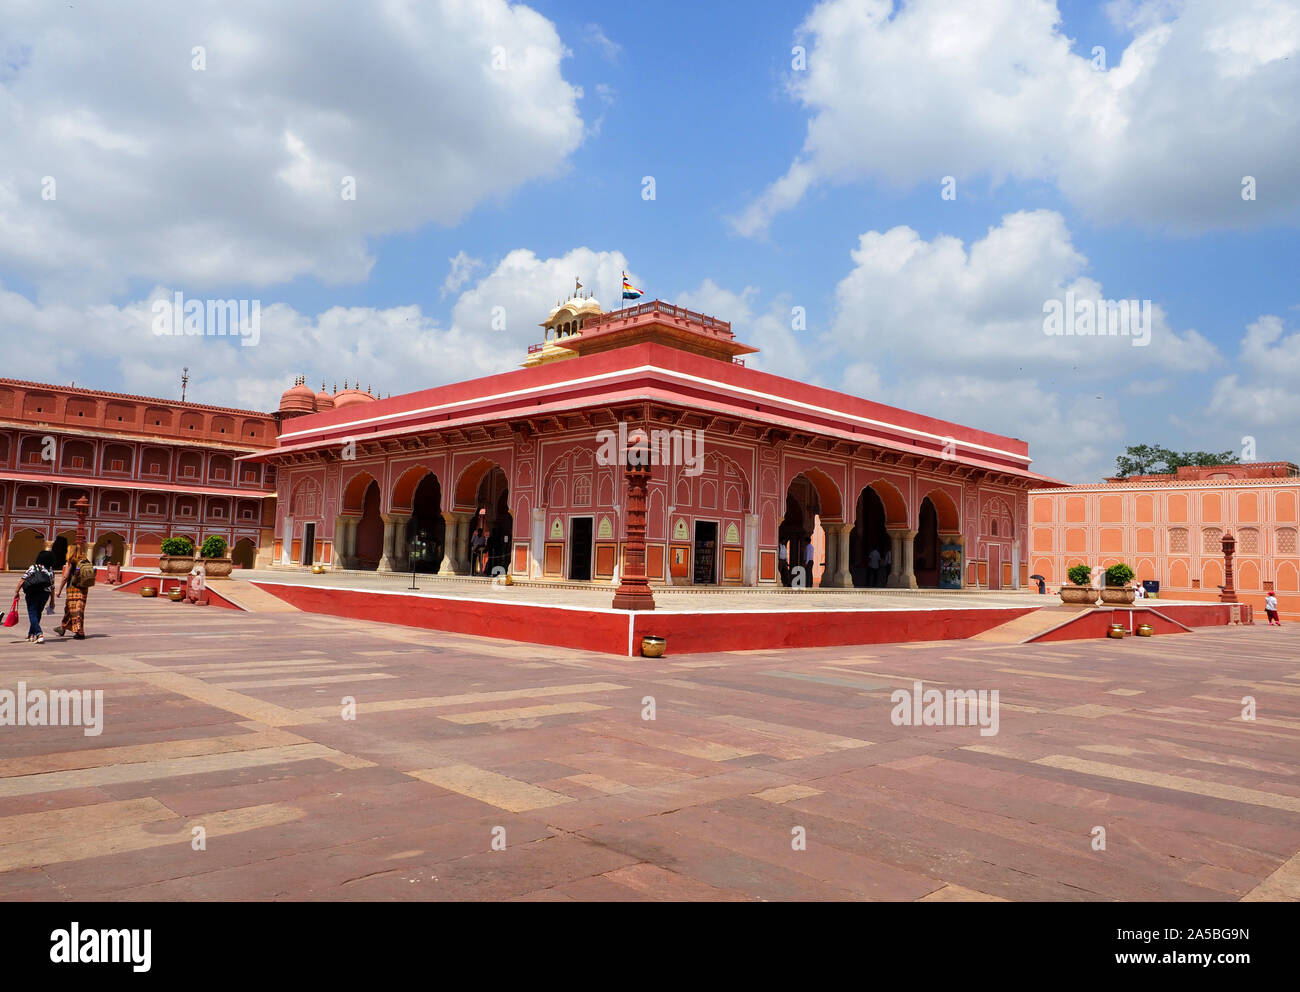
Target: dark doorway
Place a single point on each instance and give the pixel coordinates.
(706, 546)
(370, 531)
(308, 543)
(869, 534)
(925, 549)
(426, 530)
(580, 549)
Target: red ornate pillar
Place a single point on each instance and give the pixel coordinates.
(1229, 594)
(633, 592)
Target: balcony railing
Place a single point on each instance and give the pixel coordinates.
(667, 310)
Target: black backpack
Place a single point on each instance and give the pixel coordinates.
(38, 580)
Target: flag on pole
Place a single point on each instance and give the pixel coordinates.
(630, 292)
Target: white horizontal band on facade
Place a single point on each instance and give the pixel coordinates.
(698, 380)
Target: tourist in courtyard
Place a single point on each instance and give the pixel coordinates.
(77, 577)
(1270, 609)
(59, 558)
(477, 552)
(887, 564)
(36, 584)
(783, 562)
(873, 564)
(1139, 591)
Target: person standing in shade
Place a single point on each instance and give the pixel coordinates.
(783, 562)
(477, 547)
(888, 566)
(873, 564)
(808, 564)
(36, 584)
(1270, 608)
(77, 578)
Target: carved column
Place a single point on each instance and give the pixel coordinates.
(751, 549)
(907, 577)
(633, 592)
(896, 563)
(1229, 594)
(388, 559)
(831, 547)
(450, 543)
(843, 579)
(464, 525)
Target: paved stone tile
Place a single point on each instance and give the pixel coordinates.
(236, 724)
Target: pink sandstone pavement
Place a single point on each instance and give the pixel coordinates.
(233, 722)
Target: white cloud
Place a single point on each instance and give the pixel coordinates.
(594, 35)
(394, 350)
(462, 269)
(782, 349)
(982, 309)
(234, 174)
(1205, 93)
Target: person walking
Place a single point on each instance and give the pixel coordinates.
(59, 558)
(477, 549)
(36, 584)
(77, 578)
(1270, 608)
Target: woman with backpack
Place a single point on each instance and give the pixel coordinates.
(37, 583)
(78, 577)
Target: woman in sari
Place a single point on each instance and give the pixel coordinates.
(74, 608)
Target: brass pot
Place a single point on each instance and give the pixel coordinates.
(1145, 630)
(653, 647)
(1117, 630)
(317, 569)
(176, 593)
(148, 592)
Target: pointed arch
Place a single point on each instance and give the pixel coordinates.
(828, 493)
(466, 492)
(405, 486)
(945, 509)
(893, 501)
(354, 492)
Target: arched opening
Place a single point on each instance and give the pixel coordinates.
(370, 530)
(24, 546)
(925, 548)
(803, 507)
(244, 553)
(492, 514)
(426, 530)
(108, 550)
(870, 547)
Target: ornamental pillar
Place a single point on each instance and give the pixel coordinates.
(450, 543)
(896, 537)
(389, 561)
(907, 577)
(751, 549)
(465, 523)
(843, 579)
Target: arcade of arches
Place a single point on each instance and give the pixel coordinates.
(419, 534)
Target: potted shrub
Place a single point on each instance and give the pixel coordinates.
(1080, 588)
(177, 556)
(216, 563)
(1117, 589)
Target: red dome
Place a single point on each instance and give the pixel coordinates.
(351, 397)
(298, 399)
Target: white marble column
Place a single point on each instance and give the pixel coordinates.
(896, 564)
(537, 549)
(751, 549)
(466, 521)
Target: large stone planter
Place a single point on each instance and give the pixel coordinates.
(175, 564)
(1078, 594)
(218, 568)
(1118, 595)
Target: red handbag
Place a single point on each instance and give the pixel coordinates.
(11, 618)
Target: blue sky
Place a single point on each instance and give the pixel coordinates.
(221, 182)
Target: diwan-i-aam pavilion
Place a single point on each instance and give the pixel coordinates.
(506, 473)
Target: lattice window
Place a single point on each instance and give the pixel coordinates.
(1178, 540)
(1248, 541)
(1212, 543)
(1286, 540)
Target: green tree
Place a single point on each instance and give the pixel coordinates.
(1152, 459)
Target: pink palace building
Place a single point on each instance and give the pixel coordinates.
(756, 464)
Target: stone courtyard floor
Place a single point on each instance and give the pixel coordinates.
(232, 723)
